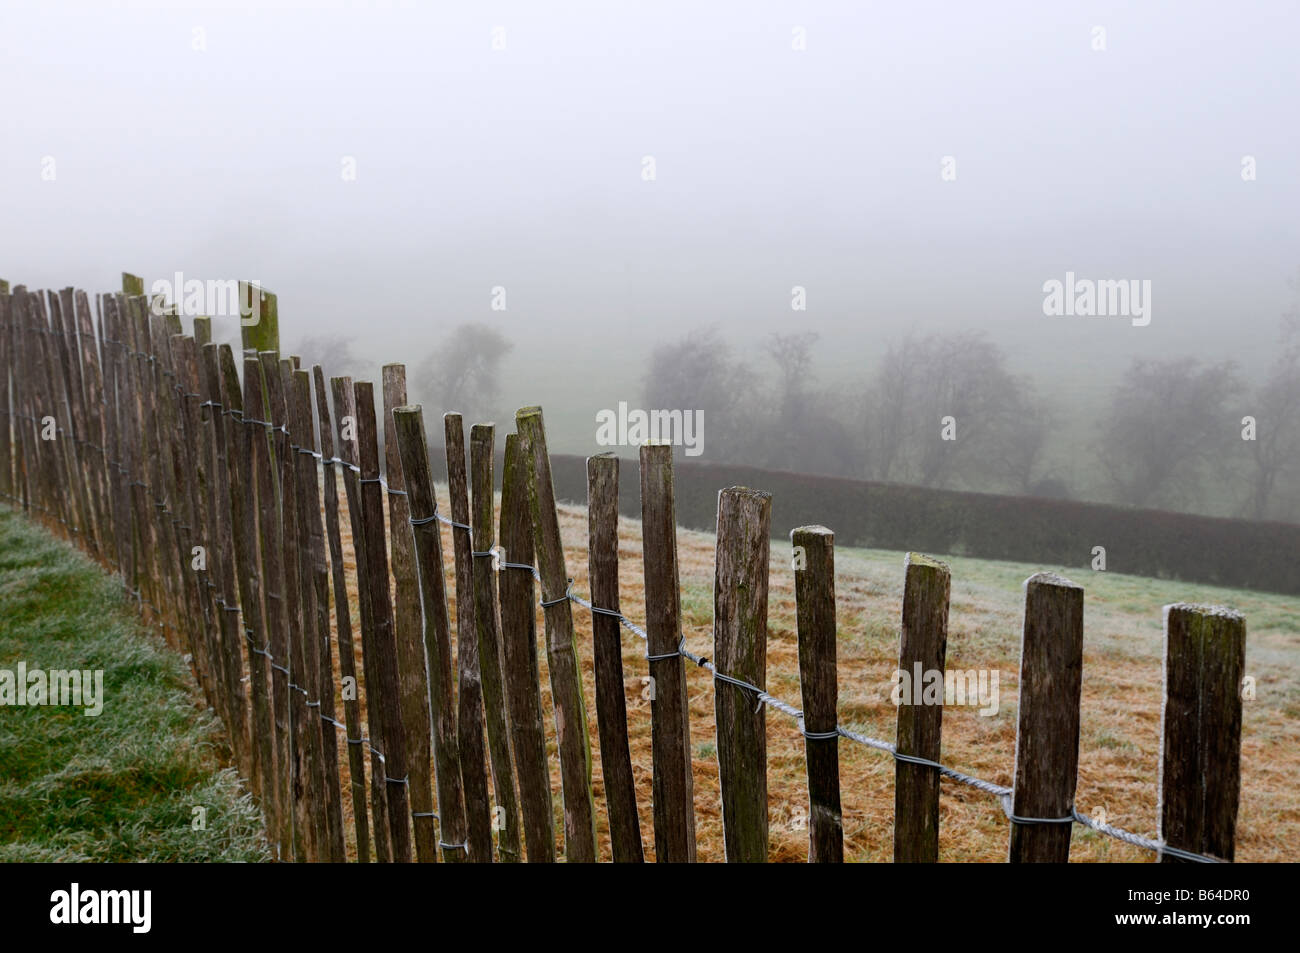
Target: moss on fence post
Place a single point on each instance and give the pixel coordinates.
(260, 318)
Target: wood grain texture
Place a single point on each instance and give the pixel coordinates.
(243, 513)
(469, 714)
(1047, 734)
(345, 411)
(922, 650)
(673, 784)
(408, 629)
(1200, 755)
(408, 424)
(740, 650)
(505, 818)
(317, 630)
(266, 470)
(383, 641)
(342, 625)
(561, 643)
(607, 649)
(814, 589)
(519, 652)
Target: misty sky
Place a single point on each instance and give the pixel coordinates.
(775, 167)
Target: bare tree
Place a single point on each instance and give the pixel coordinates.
(922, 382)
(463, 373)
(1168, 420)
(698, 372)
(1018, 460)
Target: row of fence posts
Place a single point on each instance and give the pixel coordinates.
(205, 494)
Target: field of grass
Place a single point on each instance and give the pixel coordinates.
(1120, 733)
(121, 786)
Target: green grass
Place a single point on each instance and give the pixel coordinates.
(122, 786)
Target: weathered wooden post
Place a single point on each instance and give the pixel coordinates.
(814, 589)
(519, 648)
(607, 644)
(487, 624)
(922, 650)
(345, 419)
(1200, 758)
(407, 628)
(674, 786)
(561, 644)
(408, 425)
(469, 714)
(740, 651)
(386, 685)
(342, 624)
(1047, 734)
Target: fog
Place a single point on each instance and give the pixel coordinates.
(774, 167)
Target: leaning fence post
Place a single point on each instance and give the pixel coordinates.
(1047, 734)
(315, 571)
(607, 643)
(670, 727)
(561, 644)
(469, 698)
(814, 591)
(482, 446)
(1200, 758)
(408, 426)
(343, 623)
(519, 648)
(345, 429)
(383, 641)
(922, 649)
(740, 652)
(406, 621)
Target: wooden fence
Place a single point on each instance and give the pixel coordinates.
(204, 489)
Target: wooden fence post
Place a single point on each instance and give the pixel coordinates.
(673, 785)
(343, 625)
(303, 648)
(1047, 734)
(386, 687)
(1200, 757)
(814, 592)
(469, 715)
(303, 789)
(740, 651)
(922, 650)
(561, 644)
(257, 408)
(345, 419)
(407, 629)
(408, 426)
(316, 632)
(243, 499)
(222, 548)
(519, 649)
(482, 446)
(607, 645)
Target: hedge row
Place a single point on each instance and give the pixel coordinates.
(1223, 552)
